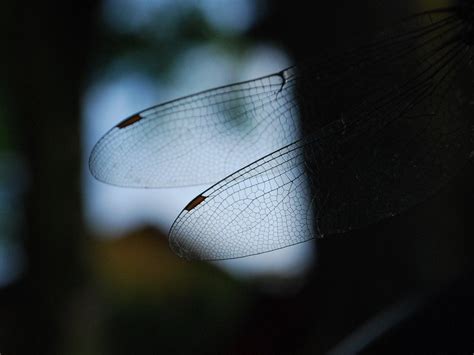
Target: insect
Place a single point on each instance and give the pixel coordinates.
(332, 145)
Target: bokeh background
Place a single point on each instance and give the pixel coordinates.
(85, 268)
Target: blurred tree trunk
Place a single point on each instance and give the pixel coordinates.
(46, 46)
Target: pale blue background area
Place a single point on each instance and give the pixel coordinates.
(120, 91)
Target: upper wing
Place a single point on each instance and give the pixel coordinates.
(203, 137)
(199, 138)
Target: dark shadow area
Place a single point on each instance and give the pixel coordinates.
(363, 275)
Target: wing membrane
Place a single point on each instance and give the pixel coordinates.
(262, 207)
(200, 138)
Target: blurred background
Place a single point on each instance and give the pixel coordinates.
(85, 268)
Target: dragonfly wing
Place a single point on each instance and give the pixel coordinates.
(400, 125)
(199, 138)
(262, 207)
(406, 109)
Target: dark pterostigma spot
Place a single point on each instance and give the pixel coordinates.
(129, 121)
(196, 201)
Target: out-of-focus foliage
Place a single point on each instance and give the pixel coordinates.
(150, 299)
(153, 46)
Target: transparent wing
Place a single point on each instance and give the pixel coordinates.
(399, 124)
(200, 138)
(262, 207)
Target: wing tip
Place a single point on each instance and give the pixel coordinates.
(91, 162)
(179, 250)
